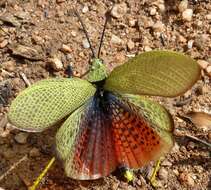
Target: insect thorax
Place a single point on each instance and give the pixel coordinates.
(98, 71)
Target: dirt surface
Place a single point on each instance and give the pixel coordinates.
(39, 38)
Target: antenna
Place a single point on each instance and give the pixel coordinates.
(103, 34)
(85, 32)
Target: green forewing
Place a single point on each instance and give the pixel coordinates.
(159, 73)
(48, 101)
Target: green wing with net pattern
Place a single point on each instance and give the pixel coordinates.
(48, 101)
(159, 73)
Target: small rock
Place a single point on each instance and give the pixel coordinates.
(147, 48)
(183, 6)
(161, 7)
(34, 152)
(21, 138)
(4, 132)
(153, 11)
(186, 178)
(191, 145)
(187, 15)
(9, 66)
(190, 44)
(115, 39)
(158, 27)
(183, 149)
(86, 44)
(130, 44)
(4, 43)
(85, 9)
(163, 174)
(132, 22)
(208, 69)
(166, 163)
(203, 64)
(66, 48)
(145, 22)
(139, 182)
(130, 187)
(17, 84)
(73, 33)
(119, 10)
(176, 172)
(208, 17)
(37, 39)
(55, 63)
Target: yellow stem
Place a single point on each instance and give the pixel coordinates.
(37, 181)
(153, 176)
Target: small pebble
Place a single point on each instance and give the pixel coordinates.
(183, 6)
(190, 44)
(73, 33)
(166, 163)
(55, 63)
(176, 172)
(203, 64)
(163, 174)
(158, 27)
(132, 22)
(130, 44)
(115, 39)
(85, 9)
(139, 182)
(208, 69)
(34, 152)
(187, 15)
(66, 48)
(18, 83)
(21, 138)
(119, 10)
(9, 66)
(4, 43)
(37, 39)
(153, 11)
(208, 17)
(147, 48)
(191, 145)
(86, 44)
(161, 7)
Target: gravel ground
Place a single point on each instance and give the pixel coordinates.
(39, 38)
